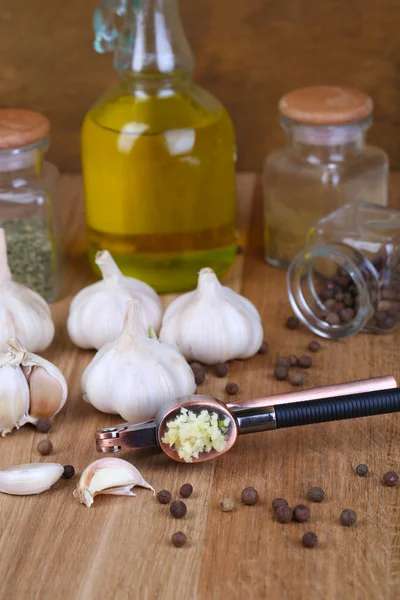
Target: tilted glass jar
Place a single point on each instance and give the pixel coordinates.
(347, 278)
(27, 201)
(325, 164)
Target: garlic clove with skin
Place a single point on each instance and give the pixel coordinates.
(136, 374)
(23, 313)
(97, 312)
(14, 398)
(212, 324)
(108, 476)
(32, 478)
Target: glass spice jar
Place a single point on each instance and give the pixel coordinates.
(27, 191)
(325, 165)
(347, 278)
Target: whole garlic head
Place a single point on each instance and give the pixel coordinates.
(212, 324)
(23, 313)
(31, 388)
(136, 374)
(97, 312)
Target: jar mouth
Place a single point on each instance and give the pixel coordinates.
(15, 159)
(316, 268)
(326, 135)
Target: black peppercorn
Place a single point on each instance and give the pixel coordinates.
(186, 490)
(221, 370)
(305, 362)
(301, 513)
(310, 539)
(315, 494)
(281, 373)
(390, 479)
(284, 514)
(292, 323)
(279, 502)
(348, 517)
(249, 496)
(263, 348)
(43, 425)
(164, 497)
(232, 388)
(314, 346)
(69, 472)
(178, 539)
(178, 509)
(362, 470)
(45, 447)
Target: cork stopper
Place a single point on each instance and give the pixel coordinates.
(20, 127)
(325, 105)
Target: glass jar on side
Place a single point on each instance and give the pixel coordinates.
(27, 201)
(158, 154)
(325, 164)
(347, 278)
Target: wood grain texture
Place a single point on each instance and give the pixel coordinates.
(248, 54)
(51, 547)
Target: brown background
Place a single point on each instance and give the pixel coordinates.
(248, 53)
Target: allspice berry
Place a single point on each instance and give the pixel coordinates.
(221, 370)
(305, 362)
(348, 517)
(310, 539)
(284, 514)
(69, 472)
(263, 348)
(178, 539)
(232, 389)
(362, 470)
(227, 505)
(43, 425)
(199, 376)
(45, 447)
(178, 509)
(316, 494)
(292, 323)
(301, 513)
(164, 497)
(390, 479)
(186, 490)
(314, 346)
(281, 373)
(296, 379)
(249, 496)
(278, 503)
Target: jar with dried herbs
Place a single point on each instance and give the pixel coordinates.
(27, 201)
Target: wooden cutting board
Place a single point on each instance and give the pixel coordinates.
(51, 547)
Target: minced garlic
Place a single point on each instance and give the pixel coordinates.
(191, 433)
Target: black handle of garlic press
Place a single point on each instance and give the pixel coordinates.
(339, 408)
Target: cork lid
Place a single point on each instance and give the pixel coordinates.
(20, 127)
(325, 105)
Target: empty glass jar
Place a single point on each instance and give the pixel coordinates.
(324, 165)
(347, 278)
(27, 192)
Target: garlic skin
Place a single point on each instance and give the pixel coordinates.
(32, 478)
(23, 313)
(97, 312)
(108, 476)
(212, 324)
(136, 374)
(31, 388)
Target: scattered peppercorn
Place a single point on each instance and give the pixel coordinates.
(263, 348)
(186, 490)
(314, 346)
(278, 503)
(221, 370)
(281, 373)
(362, 470)
(293, 360)
(45, 447)
(332, 319)
(316, 494)
(305, 362)
(178, 539)
(249, 496)
(43, 425)
(232, 388)
(390, 479)
(292, 323)
(310, 539)
(178, 509)
(296, 378)
(164, 497)
(69, 472)
(284, 514)
(227, 505)
(283, 361)
(199, 376)
(301, 513)
(348, 517)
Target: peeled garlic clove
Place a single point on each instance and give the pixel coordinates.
(108, 476)
(23, 313)
(135, 375)
(14, 398)
(97, 313)
(212, 324)
(32, 478)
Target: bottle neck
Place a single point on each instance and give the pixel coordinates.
(152, 43)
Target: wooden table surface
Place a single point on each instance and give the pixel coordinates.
(52, 547)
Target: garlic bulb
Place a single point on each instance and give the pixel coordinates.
(212, 324)
(97, 312)
(33, 478)
(31, 388)
(108, 476)
(134, 375)
(23, 313)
